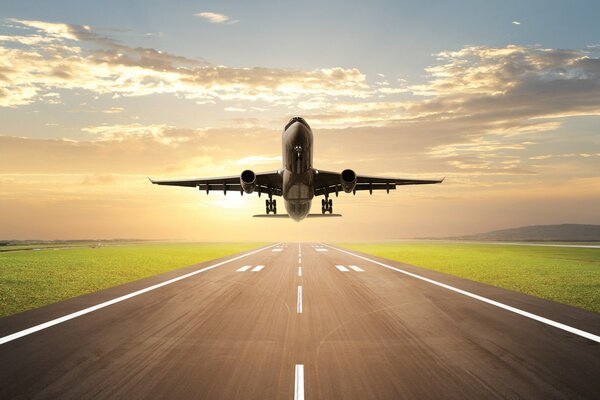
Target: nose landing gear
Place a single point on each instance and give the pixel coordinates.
(327, 206)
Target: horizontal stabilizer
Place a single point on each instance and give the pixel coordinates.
(287, 216)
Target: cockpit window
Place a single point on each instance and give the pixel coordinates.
(296, 119)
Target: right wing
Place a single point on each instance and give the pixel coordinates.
(328, 182)
(266, 182)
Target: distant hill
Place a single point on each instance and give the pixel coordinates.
(542, 233)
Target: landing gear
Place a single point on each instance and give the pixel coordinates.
(326, 206)
(271, 206)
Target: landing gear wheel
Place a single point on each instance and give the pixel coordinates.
(327, 206)
(271, 206)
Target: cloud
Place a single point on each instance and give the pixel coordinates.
(516, 23)
(476, 106)
(214, 18)
(80, 59)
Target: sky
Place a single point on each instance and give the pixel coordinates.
(500, 98)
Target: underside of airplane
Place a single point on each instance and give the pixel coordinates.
(297, 181)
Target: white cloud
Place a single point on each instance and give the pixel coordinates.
(104, 66)
(212, 17)
(516, 23)
(160, 133)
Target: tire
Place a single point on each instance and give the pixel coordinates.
(330, 203)
(274, 210)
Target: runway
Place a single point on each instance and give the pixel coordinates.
(301, 321)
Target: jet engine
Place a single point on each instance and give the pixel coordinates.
(248, 181)
(348, 180)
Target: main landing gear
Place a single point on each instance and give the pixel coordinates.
(326, 206)
(271, 205)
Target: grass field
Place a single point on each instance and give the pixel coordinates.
(566, 275)
(30, 279)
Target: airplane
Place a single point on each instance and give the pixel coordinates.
(297, 182)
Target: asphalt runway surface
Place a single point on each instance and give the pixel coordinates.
(301, 321)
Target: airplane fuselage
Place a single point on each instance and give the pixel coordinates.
(297, 173)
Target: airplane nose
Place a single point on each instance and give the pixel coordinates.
(297, 134)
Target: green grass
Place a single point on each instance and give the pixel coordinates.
(30, 279)
(566, 275)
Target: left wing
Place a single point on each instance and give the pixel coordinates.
(266, 182)
(329, 182)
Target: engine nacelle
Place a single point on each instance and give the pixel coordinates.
(248, 181)
(348, 180)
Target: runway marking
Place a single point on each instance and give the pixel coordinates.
(299, 271)
(299, 385)
(278, 249)
(299, 260)
(515, 310)
(88, 310)
(257, 268)
(244, 268)
(342, 268)
(321, 249)
(357, 269)
(299, 304)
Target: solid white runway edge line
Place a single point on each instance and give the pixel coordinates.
(257, 268)
(299, 304)
(88, 310)
(299, 385)
(515, 310)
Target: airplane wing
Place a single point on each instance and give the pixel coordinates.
(266, 182)
(329, 182)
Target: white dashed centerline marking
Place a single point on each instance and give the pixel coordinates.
(342, 268)
(299, 271)
(88, 310)
(299, 304)
(257, 268)
(357, 269)
(244, 268)
(515, 310)
(299, 385)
